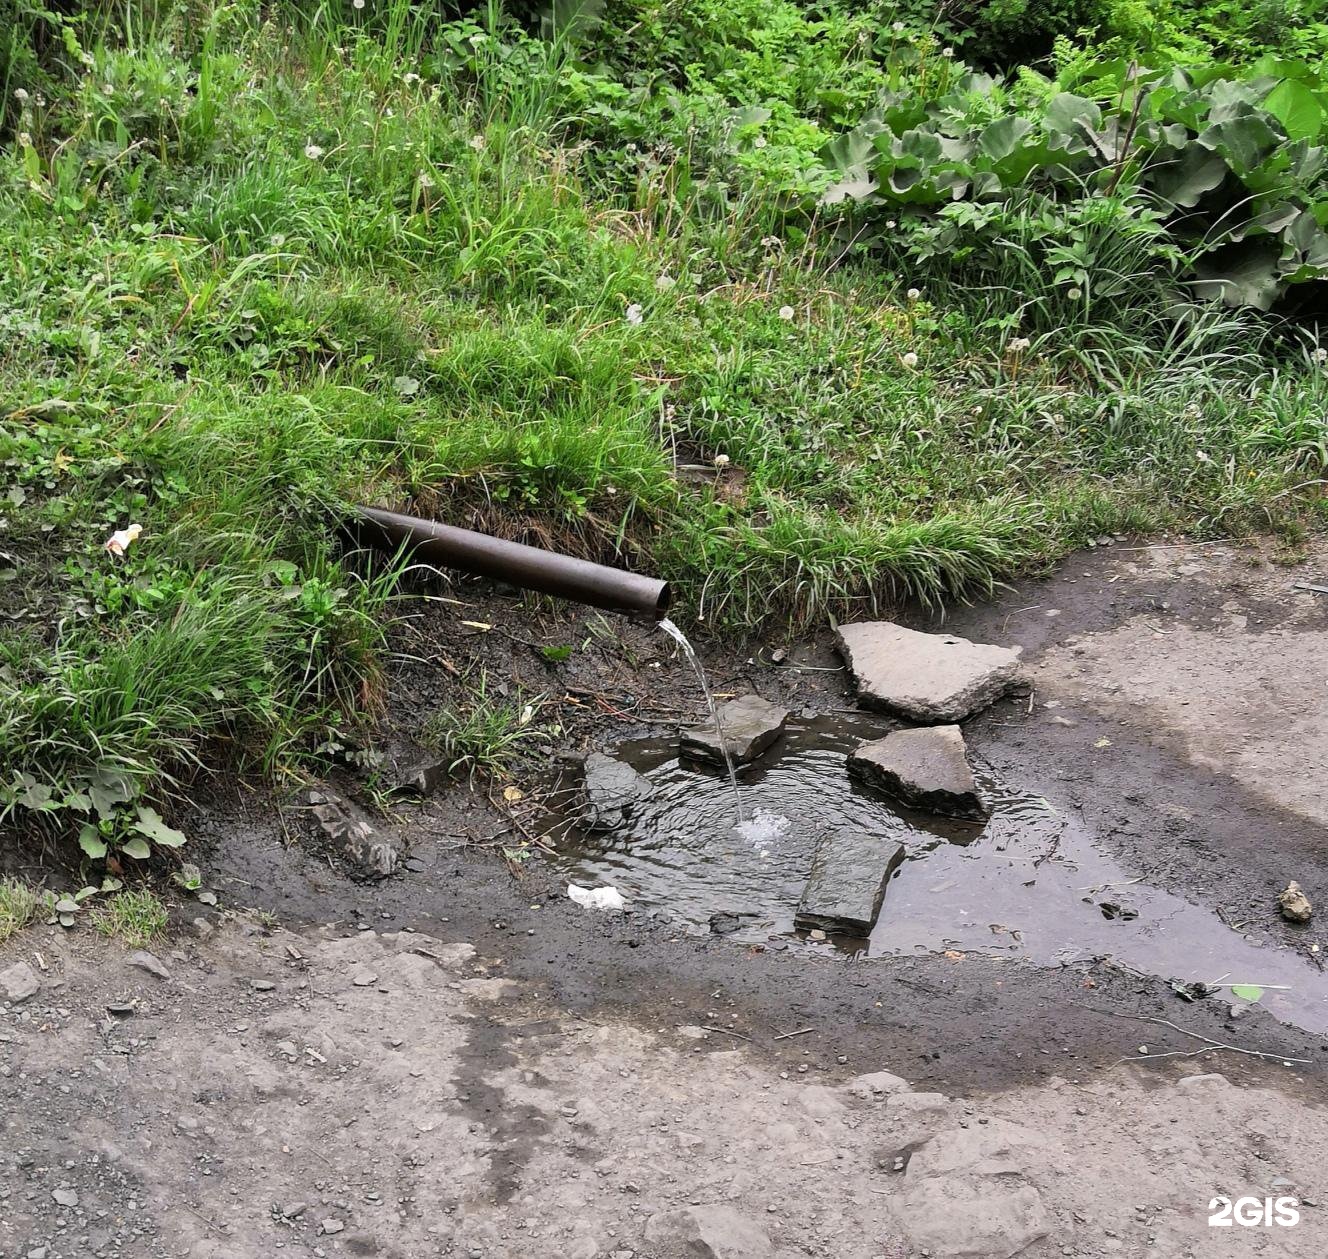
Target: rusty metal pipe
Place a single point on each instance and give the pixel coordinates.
(529, 567)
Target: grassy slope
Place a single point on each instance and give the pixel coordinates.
(231, 303)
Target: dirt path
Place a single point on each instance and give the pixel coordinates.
(392, 1095)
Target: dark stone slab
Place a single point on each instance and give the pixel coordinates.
(346, 826)
(751, 725)
(925, 677)
(925, 768)
(847, 883)
(612, 788)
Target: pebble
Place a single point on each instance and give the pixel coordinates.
(364, 978)
(263, 985)
(149, 962)
(332, 1225)
(65, 1197)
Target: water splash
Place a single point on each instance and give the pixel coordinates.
(690, 652)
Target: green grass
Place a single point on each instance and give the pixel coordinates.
(485, 736)
(18, 905)
(253, 272)
(135, 918)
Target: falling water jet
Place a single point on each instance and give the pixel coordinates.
(690, 652)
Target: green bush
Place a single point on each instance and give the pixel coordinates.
(1234, 166)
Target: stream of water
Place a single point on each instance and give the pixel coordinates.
(690, 652)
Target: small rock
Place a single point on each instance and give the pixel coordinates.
(38, 1252)
(263, 985)
(287, 1048)
(148, 962)
(364, 978)
(293, 1210)
(878, 1084)
(19, 982)
(65, 1197)
(612, 789)
(925, 677)
(1294, 904)
(726, 921)
(751, 725)
(708, 1232)
(927, 769)
(331, 1225)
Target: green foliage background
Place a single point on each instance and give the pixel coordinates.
(809, 307)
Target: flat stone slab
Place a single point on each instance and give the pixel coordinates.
(346, 826)
(925, 768)
(847, 883)
(707, 1232)
(925, 677)
(751, 725)
(612, 789)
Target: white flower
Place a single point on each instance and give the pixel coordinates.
(891, 224)
(1321, 355)
(635, 314)
(357, 4)
(910, 359)
(759, 142)
(410, 77)
(898, 28)
(664, 282)
(21, 95)
(914, 294)
(721, 461)
(1075, 294)
(477, 143)
(947, 52)
(1018, 345)
(313, 152)
(786, 312)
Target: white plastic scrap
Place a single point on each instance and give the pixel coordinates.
(597, 897)
(118, 543)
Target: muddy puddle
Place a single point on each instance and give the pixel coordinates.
(1030, 884)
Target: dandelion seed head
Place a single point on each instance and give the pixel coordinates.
(21, 95)
(721, 461)
(635, 315)
(664, 282)
(759, 142)
(910, 359)
(478, 143)
(313, 151)
(914, 294)
(786, 312)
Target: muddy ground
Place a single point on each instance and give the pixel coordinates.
(554, 1089)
